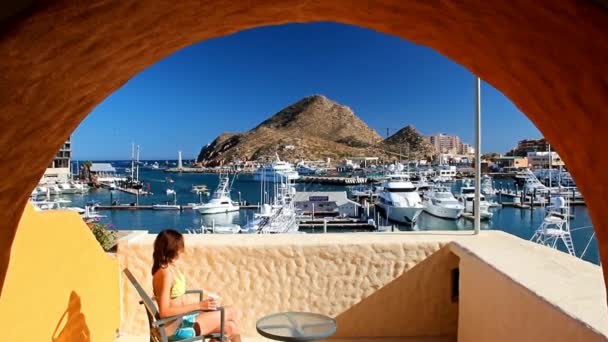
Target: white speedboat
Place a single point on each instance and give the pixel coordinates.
(467, 198)
(276, 171)
(399, 199)
(442, 203)
(67, 188)
(220, 201)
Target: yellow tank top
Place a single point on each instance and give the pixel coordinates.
(179, 283)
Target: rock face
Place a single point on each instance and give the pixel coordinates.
(314, 128)
(410, 143)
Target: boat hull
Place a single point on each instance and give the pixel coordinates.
(402, 214)
(451, 213)
(275, 177)
(216, 210)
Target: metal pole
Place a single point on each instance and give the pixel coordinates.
(477, 222)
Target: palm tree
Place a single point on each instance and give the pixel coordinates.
(87, 169)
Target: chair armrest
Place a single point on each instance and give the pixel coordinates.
(159, 322)
(199, 291)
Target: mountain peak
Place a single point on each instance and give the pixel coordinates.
(313, 127)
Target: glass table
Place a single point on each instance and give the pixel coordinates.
(296, 326)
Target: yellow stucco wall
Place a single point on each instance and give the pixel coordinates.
(60, 284)
(373, 284)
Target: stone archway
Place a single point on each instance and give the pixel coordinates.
(62, 58)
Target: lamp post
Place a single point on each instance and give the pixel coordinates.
(476, 204)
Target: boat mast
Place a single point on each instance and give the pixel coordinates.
(550, 169)
(132, 158)
(476, 204)
(137, 165)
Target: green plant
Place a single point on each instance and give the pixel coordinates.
(105, 236)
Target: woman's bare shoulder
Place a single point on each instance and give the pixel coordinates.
(162, 272)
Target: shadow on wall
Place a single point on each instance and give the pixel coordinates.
(420, 302)
(72, 325)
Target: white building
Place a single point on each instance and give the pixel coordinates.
(59, 169)
(541, 160)
(326, 203)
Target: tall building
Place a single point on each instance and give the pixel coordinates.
(449, 144)
(529, 145)
(58, 170)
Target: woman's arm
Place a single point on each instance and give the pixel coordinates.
(166, 307)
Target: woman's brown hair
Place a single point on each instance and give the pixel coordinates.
(167, 245)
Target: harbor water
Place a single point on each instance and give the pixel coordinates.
(516, 221)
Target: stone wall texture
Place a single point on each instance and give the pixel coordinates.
(375, 286)
(61, 58)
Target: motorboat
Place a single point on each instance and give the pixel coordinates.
(555, 226)
(67, 188)
(467, 198)
(442, 203)
(399, 199)
(278, 217)
(487, 187)
(276, 171)
(304, 169)
(220, 201)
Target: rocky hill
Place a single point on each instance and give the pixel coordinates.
(409, 143)
(313, 128)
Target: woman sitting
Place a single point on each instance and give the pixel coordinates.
(169, 287)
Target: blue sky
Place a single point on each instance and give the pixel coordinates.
(232, 83)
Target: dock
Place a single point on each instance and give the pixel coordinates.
(133, 206)
(334, 180)
(130, 191)
(346, 224)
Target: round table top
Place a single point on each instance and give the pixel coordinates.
(296, 326)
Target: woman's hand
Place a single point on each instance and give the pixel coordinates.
(208, 304)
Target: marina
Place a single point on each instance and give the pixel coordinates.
(193, 188)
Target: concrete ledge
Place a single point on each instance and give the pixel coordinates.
(384, 285)
(570, 285)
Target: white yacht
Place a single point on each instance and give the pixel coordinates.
(467, 197)
(276, 171)
(442, 203)
(220, 201)
(399, 199)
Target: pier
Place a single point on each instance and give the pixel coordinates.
(134, 192)
(133, 206)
